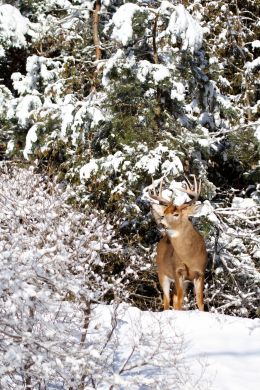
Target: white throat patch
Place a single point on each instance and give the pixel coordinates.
(172, 233)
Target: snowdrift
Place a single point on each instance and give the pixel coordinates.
(177, 349)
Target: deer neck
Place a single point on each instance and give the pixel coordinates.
(180, 229)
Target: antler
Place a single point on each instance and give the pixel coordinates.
(162, 201)
(192, 189)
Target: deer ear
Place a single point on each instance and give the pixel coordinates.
(170, 209)
(158, 212)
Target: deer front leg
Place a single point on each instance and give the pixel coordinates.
(178, 298)
(199, 287)
(165, 283)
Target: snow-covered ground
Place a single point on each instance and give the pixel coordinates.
(177, 349)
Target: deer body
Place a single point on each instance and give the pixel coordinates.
(181, 253)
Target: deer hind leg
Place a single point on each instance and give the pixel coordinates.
(179, 281)
(199, 286)
(165, 284)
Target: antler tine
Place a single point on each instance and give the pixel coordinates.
(189, 183)
(160, 188)
(154, 191)
(199, 190)
(159, 197)
(197, 187)
(192, 189)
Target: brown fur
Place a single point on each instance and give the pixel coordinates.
(181, 254)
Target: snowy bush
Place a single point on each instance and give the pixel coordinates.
(51, 273)
(235, 272)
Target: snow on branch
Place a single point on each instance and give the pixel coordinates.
(183, 26)
(122, 20)
(15, 27)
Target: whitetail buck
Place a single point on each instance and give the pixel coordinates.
(181, 253)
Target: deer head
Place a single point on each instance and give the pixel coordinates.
(171, 215)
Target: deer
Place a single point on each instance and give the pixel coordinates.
(181, 252)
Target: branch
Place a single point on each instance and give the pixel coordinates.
(122, 369)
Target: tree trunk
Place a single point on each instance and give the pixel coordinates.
(96, 19)
(155, 53)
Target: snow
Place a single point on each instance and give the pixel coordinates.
(37, 73)
(151, 161)
(67, 108)
(31, 138)
(224, 81)
(250, 66)
(122, 20)
(59, 3)
(88, 113)
(5, 97)
(2, 51)
(87, 170)
(113, 161)
(165, 7)
(178, 91)
(182, 25)
(114, 60)
(257, 133)
(95, 114)
(22, 108)
(179, 349)
(255, 44)
(109, 164)
(159, 72)
(248, 205)
(14, 26)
